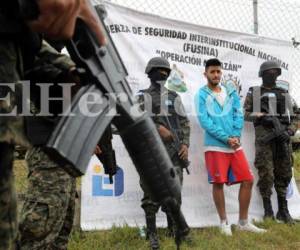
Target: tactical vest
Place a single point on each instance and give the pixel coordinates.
(278, 99)
(163, 104)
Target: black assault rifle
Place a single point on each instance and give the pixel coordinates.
(77, 133)
(280, 148)
(184, 163)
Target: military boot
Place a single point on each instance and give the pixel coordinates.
(269, 214)
(152, 232)
(283, 213)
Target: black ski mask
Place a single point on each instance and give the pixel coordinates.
(158, 76)
(269, 78)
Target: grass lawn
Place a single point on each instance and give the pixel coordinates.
(278, 237)
(297, 165)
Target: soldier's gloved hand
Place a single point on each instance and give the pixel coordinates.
(284, 137)
(165, 134)
(57, 18)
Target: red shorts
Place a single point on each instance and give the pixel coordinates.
(229, 168)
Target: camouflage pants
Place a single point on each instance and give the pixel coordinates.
(8, 206)
(277, 172)
(151, 207)
(48, 211)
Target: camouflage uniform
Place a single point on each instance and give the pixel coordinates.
(8, 206)
(11, 133)
(18, 47)
(47, 214)
(166, 110)
(271, 172)
(11, 71)
(168, 99)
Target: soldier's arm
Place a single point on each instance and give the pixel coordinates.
(292, 128)
(58, 59)
(144, 100)
(162, 127)
(62, 62)
(52, 66)
(295, 119)
(249, 114)
(184, 123)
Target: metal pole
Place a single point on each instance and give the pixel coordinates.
(255, 16)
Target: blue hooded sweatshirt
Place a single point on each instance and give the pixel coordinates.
(219, 122)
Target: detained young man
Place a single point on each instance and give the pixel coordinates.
(220, 115)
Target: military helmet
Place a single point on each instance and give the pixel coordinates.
(269, 65)
(157, 62)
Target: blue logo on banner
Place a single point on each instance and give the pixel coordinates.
(101, 185)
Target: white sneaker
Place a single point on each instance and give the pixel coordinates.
(225, 229)
(249, 227)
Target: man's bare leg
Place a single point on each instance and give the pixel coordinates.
(244, 199)
(219, 199)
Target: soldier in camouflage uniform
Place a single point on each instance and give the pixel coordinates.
(47, 215)
(273, 164)
(8, 213)
(18, 47)
(11, 127)
(163, 104)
